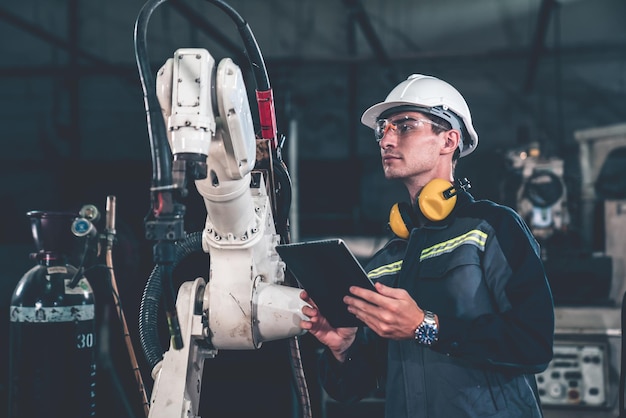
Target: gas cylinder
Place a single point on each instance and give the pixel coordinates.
(52, 349)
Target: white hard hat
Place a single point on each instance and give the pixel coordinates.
(431, 95)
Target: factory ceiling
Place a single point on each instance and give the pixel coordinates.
(531, 70)
(528, 53)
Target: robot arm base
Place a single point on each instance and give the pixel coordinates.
(177, 394)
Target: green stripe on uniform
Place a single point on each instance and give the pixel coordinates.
(384, 270)
(473, 237)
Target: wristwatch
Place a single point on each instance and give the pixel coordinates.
(426, 333)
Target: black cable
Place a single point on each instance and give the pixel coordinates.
(161, 154)
(622, 374)
(80, 270)
(251, 47)
(284, 196)
(167, 225)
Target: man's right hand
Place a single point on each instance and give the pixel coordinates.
(338, 340)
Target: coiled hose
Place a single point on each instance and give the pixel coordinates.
(149, 308)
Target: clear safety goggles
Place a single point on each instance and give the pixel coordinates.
(402, 126)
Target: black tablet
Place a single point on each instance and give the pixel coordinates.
(326, 269)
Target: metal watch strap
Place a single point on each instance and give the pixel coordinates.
(426, 332)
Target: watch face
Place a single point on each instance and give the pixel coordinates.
(426, 334)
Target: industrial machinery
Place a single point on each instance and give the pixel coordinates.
(201, 130)
(538, 191)
(541, 198)
(585, 266)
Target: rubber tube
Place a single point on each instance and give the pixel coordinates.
(149, 308)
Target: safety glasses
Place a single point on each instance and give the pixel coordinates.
(402, 126)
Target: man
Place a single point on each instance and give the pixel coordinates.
(463, 315)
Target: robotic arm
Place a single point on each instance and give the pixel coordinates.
(245, 302)
(245, 289)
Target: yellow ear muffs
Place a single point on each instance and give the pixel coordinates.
(437, 199)
(401, 220)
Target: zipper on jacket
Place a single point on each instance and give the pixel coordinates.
(411, 270)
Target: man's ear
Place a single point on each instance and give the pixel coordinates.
(453, 137)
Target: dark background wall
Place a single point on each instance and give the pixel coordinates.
(74, 127)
